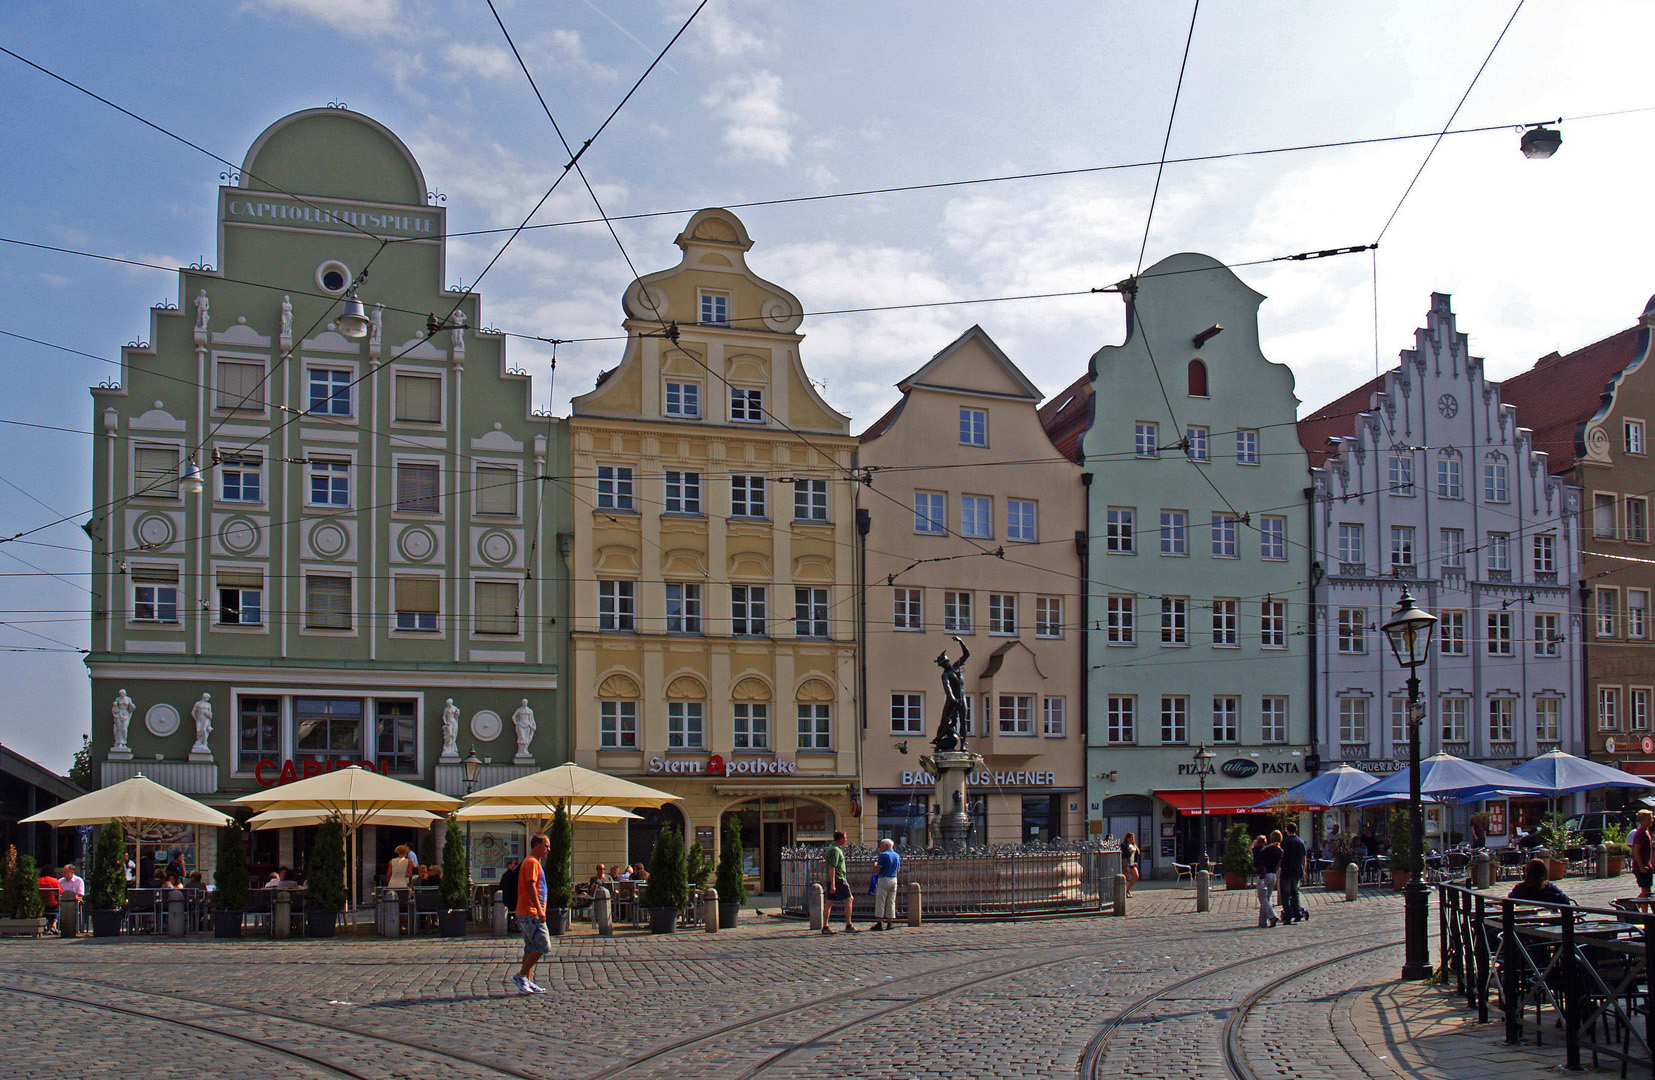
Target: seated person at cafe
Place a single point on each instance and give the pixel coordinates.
(639, 873)
(399, 874)
(281, 878)
(625, 874)
(598, 877)
(194, 881)
(274, 881)
(431, 875)
(172, 881)
(49, 893)
(1534, 885)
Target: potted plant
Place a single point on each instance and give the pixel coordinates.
(1333, 878)
(698, 867)
(106, 890)
(453, 892)
(1557, 836)
(1615, 845)
(732, 875)
(1402, 848)
(1237, 861)
(664, 893)
(20, 904)
(560, 886)
(230, 883)
(325, 880)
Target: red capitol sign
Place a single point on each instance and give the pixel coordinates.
(304, 770)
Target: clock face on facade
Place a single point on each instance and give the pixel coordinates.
(1448, 405)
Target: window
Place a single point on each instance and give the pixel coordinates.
(239, 478)
(1451, 633)
(329, 391)
(910, 610)
(1546, 637)
(1545, 554)
(1225, 624)
(155, 472)
(618, 606)
(1175, 628)
(330, 482)
(1121, 726)
(1002, 614)
(1637, 520)
(417, 603)
(1273, 720)
(1353, 721)
(496, 487)
(1399, 472)
(810, 500)
(1197, 379)
(686, 725)
(1609, 708)
(715, 309)
(1020, 521)
(1017, 714)
(1399, 720)
(1226, 719)
(496, 611)
(1637, 613)
(1226, 544)
(396, 745)
(1048, 616)
(1453, 549)
(1272, 538)
(683, 492)
(327, 602)
(1402, 547)
(973, 427)
(615, 487)
(258, 731)
(976, 516)
(1119, 536)
(1054, 721)
(1456, 719)
(1146, 440)
(1548, 718)
(240, 598)
(930, 513)
(418, 398)
(1351, 544)
(1608, 607)
(1502, 719)
(1353, 630)
(1496, 478)
(816, 725)
(418, 487)
(1634, 436)
(1499, 634)
(747, 496)
(683, 400)
(1499, 552)
(1603, 516)
(1273, 624)
(240, 386)
(1121, 620)
(907, 714)
(1640, 709)
(810, 612)
(155, 595)
(618, 725)
(1175, 719)
(746, 405)
(747, 614)
(328, 729)
(956, 612)
(750, 725)
(1246, 448)
(1195, 444)
(1449, 484)
(683, 608)
(1174, 532)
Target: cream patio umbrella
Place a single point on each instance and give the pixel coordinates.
(295, 819)
(139, 804)
(536, 816)
(576, 787)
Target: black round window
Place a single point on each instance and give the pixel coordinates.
(333, 280)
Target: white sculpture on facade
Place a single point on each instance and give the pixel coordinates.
(201, 310)
(287, 318)
(523, 721)
(202, 711)
(459, 331)
(121, 710)
(376, 322)
(450, 729)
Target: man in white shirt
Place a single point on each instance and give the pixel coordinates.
(69, 884)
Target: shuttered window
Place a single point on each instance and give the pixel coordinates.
(240, 386)
(155, 472)
(417, 488)
(327, 602)
(496, 490)
(496, 611)
(416, 603)
(419, 398)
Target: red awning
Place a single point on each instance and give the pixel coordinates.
(1219, 800)
(1639, 768)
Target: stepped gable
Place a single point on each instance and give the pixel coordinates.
(1335, 420)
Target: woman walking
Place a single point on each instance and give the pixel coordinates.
(1267, 862)
(1129, 860)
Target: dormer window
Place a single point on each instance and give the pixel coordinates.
(715, 309)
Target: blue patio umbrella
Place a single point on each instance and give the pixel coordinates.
(1559, 774)
(1442, 777)
(1320, 791)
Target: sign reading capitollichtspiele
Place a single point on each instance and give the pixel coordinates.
(241, 206)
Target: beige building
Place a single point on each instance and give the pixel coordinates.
(713, 652)
(974, 529)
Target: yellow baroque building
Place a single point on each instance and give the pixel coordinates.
(713, 649)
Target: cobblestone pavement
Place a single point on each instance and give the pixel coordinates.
(767, 998)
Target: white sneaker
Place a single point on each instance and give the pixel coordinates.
(521, 983)
(534, 987)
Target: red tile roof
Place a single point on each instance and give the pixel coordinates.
(1560, 393)
(1067, 416)
(1335, 420)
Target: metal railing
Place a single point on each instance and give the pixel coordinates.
(1552, 969)
(977, 882)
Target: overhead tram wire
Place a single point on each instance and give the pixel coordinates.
(1166, 142)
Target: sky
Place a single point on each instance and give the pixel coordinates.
(787, 99)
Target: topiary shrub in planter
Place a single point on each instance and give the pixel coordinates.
(667, 888)
(1402, 848)
(560, 886)
(1237, 862)
(20, 903)
(453, 892)
(106, 889)
(325, 880)
(732, 876)
(1333, 878)
(230, 883)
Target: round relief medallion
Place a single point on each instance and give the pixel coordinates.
(328, 540)
(497, 547)
(486, 726)
(416, 544)
(155, 530)
(1448, 405)
(239, 535)
(162, 720)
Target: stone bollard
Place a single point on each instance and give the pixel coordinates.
(813, 906)
(600, 912)
(1203, 890)
(502, 917)
(1600, 861)
(1353, 882)
(386, 915)
(68, 916)
(915, 904)
(281, 914)
(1482, 870)
(175, 913)
(1120, 894)
(709, 910)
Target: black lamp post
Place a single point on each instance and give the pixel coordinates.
(473, 767)
(1410, 631)
(1202, 757)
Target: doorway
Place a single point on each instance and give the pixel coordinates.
(777, 835)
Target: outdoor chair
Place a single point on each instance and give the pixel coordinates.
(1182, 871)
(420, 905)
(261, 908)
(1511, 865)
(143, 911)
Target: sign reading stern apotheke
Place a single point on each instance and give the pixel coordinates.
(266, 208)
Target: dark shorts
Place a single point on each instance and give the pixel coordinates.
(840, 891)
(1644, 878)
(535, 938)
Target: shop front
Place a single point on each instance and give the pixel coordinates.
(1006, 806)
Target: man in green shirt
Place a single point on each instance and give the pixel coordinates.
(838, 884)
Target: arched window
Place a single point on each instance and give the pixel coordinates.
(1198, 378)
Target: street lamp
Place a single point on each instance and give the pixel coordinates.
(1202, 757)
(472, 767)
(1410, 631)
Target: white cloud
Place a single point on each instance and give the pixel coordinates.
(721, 29)
(757, 122)
(364, 18)
(483, 61)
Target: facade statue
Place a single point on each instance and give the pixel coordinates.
(376, 322)
(287, 318)
(121, 711)
(953, 708)
(523, 721)
(202, 711)
(459, 343)
(201, 310)
(450, 729)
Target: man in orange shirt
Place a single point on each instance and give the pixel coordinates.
(531, 914)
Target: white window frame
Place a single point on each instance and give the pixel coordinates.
(973, 427)
(1399, 473)
(1247, 447)
(1353, 631)
(749, 610)
(330, 470)
(617, 605)
(977, 516)
(240, 464)
(683, 493)
(811, 609)
(908, 609)
(810, 500)
(1454, 633)
(1175, 530)
(1196, 444)
(1226, 623)
(749, 496)
(398, 374)
(686, 725)
(930, 513)
(1501, 633)
(1120, 530)
(1121, 720)
(1450, 475)
(713, 307)
(1272, 542)
(1272, 624)
(1002, 614)
(747, 405)
(958, 612)
(1146, 439)
(907, 713)
(1016, 715)
(1502, 719)
(1609, 708)
(616, 489)
(1048, 617)
(1226, 536)
(1496, 478)
(1175, 622)
(1054, 717)
(617, 724)
(1175, 720)
(1226, 719)
(687, 598)
(816, 726)
(1121, 619)
(339, 382)
(1022, 521)
(681, 399)
(750, 726)
(1546, 635)
(1273, 718)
